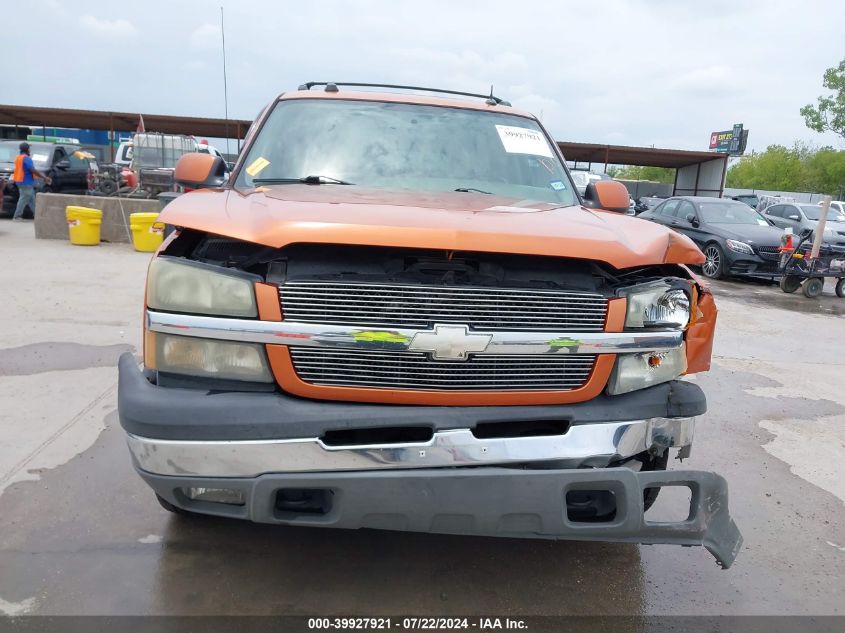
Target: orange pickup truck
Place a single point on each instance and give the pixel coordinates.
(397, 312)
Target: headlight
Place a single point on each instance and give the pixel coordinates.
(182, 287)
(211, 359)
(739, 247)
(636, 371)
(657, 305)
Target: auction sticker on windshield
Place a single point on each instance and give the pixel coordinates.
(520, 140)
(256, 166)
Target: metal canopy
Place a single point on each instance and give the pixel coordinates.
(121, 121)
(628, 155)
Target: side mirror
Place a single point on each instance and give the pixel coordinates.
(693, 220)
(793, 217)
(608, 195)
(63, 164)
(198, 171)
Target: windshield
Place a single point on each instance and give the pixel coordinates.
(729, 213)
(814, 212)
(39, 153)
(407, 146)
(8, 151)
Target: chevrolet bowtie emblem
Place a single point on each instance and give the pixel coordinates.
(449, 342)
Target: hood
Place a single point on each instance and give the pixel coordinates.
(751, 233)
(340, 214)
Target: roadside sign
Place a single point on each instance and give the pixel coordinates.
(729, 141)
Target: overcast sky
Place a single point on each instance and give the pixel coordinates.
(635, 72)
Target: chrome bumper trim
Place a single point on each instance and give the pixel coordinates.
(583, 445)
(401, 339)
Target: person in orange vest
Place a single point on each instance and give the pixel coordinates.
(24, 178)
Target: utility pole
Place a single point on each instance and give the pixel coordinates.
(225, 83)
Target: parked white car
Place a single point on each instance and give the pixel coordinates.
(838, 206)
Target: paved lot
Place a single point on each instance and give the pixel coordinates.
(81, 534)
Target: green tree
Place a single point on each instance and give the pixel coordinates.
(633, 172)
(799, 168)
(827, 171)
(829, 115)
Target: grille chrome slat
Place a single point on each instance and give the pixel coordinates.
(301, 295)
(414, 370)
(428, 289)
(385, 305)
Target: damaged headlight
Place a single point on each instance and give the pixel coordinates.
(657, 305)
(177, 286)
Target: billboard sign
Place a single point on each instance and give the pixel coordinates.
(729, 141)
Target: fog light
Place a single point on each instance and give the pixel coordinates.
(216, 495)
(637, 371)
(211, 358)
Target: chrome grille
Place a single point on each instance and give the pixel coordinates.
(414, 370)
(769, 252)
(384, 305)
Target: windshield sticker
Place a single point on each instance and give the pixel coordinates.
(257, 166)
(40, 158)
(557, 185)
(520, 140)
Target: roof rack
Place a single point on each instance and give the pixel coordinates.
(331, 86)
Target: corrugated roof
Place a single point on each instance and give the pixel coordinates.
(629, 155)
(122, 121)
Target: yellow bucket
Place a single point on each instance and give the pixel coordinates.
(147, 232)
(84, 225)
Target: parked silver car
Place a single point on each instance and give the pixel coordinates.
(801, 216)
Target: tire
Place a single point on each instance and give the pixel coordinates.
(840, 288)
(108, 187)
(813, 287)
(714, 264)
(790, 283)
(164, 503)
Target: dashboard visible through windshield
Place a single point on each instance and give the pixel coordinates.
(406, 147)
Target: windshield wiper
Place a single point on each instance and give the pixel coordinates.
(307, 180)
(473, 190)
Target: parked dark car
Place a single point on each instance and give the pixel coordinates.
(750, 199)
(735, 239)
(71, 169)
(644, 203)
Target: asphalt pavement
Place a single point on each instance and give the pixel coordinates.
(81, 534)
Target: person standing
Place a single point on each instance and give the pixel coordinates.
(24, 178)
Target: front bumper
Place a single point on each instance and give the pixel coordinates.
(481, 501)
(742, 264)
(458, 481)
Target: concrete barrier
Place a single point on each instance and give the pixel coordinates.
(51, 224)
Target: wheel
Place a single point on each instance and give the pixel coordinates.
(813, 287)
(790, 283)
(840, 288)
(714, 263)
(108, 187)
(164, 503)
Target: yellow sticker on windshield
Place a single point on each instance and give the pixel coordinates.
(256, 166)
